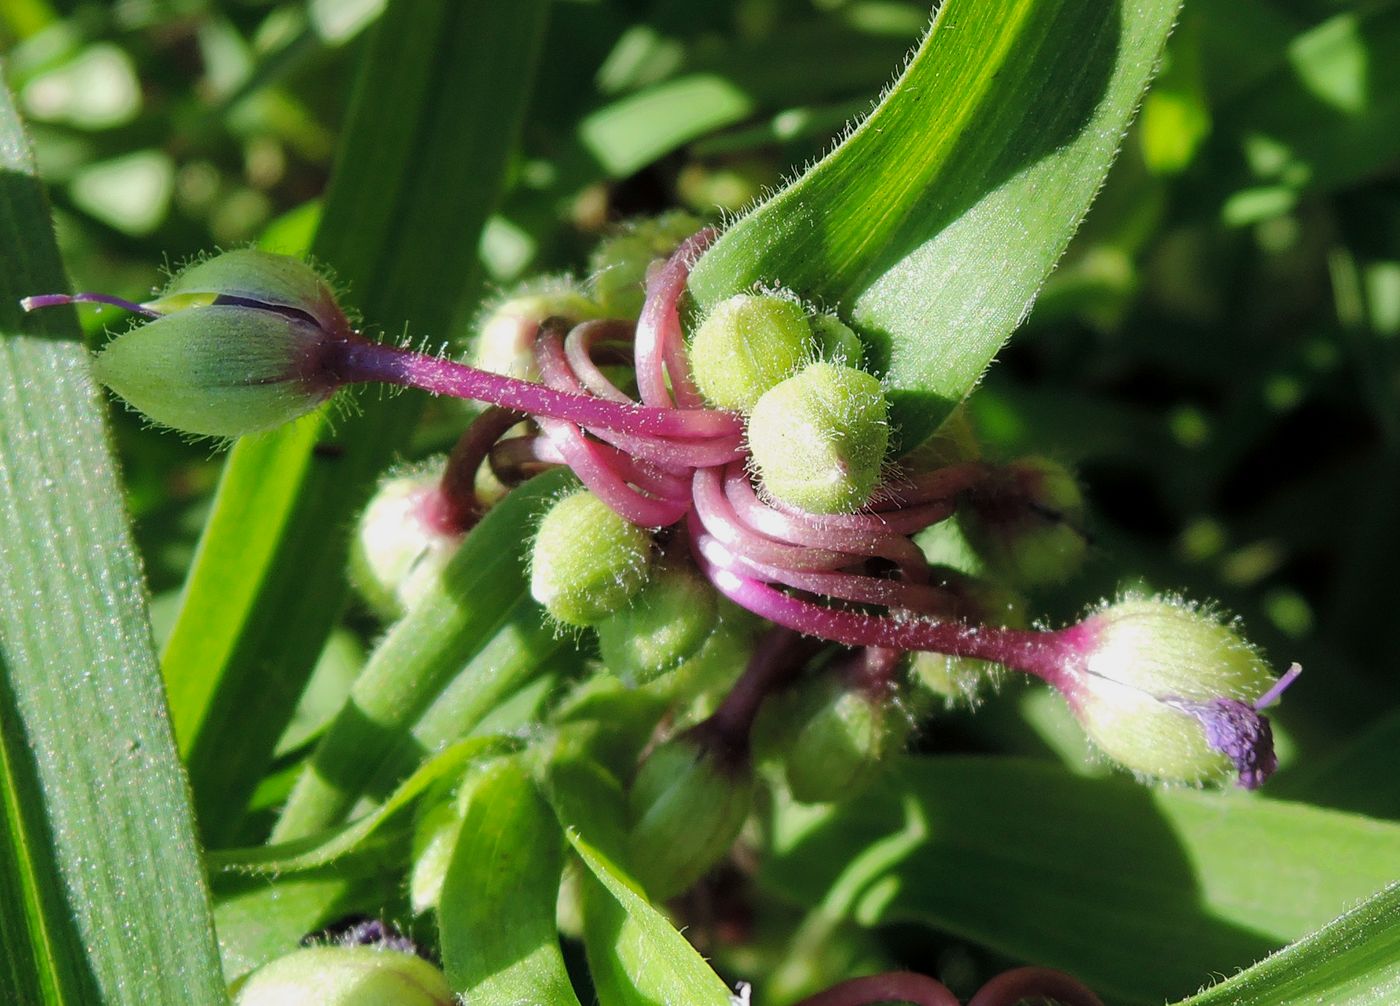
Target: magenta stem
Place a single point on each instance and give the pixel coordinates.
(817, 531)
(777, 657)
(854, 587)
(455, 506)
(713, 510)
(357, 360)
(1051, 656)
(57, 299)
(892, 987)
(1045, 984)
(660, 347)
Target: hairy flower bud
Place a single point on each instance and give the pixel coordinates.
(1168, 691)
(832, 738)
(619, 264)
(587, 561)
(746, 345)
(1027, 522)
(400, 545)
(665, 625)
(505, 336)
(836, 342)
(238, 350)
(345, 976)
(687, 804)
(818, 439)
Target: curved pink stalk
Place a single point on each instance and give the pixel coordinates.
(558, 370)
(1047, 655)
(892, 987)
(853, 587)
(596, 466)
(817, 531)
(578, 352)
(712, 509)
(660, 346)
(1020, 984)
(455, 506)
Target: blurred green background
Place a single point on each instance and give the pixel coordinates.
(1218, 355)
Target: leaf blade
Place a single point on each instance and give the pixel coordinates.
(932, 228)
(97, 842)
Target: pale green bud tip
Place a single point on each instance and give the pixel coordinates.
(240, 350)
(818, 439)
(665, 625)
(745, 346)
(505, 337)
(1028, 522)
(400, 548)
(346, 976)
(1171, 692)
(687, 805)
(258, 278)
(587, 561)
(836, 342)
(619, 265)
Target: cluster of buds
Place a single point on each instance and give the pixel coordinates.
(745, 466)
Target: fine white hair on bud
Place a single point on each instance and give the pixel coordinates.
(746, 345)
(238, 347)
(587, 561)
(818, 439)
(1172, 692)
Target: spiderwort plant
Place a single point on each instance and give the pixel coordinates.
(745, 454)
(745, 469)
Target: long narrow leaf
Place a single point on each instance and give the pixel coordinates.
(496, 914)
(932, 227)
(102, 897)
(1353, 961)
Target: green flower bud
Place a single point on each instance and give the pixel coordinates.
(506, 333)
(399, 547)
(746, 345)
(818, 439)
(238, 351)
(836, 342)
(833, 739)
(346, 976)
(1028, 523)
(1170, 692)
(667, 623)
(619, 265)
(687, 804)
(587, 561)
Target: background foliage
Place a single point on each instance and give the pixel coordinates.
(1218, 355)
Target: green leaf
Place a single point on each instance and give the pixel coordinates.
(1352, 961)
(1188, 883)
(415, 179)
(465, 646)
(102, 897)
(932, 227)
(325, 848)
(496, 914)
(637, 958)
